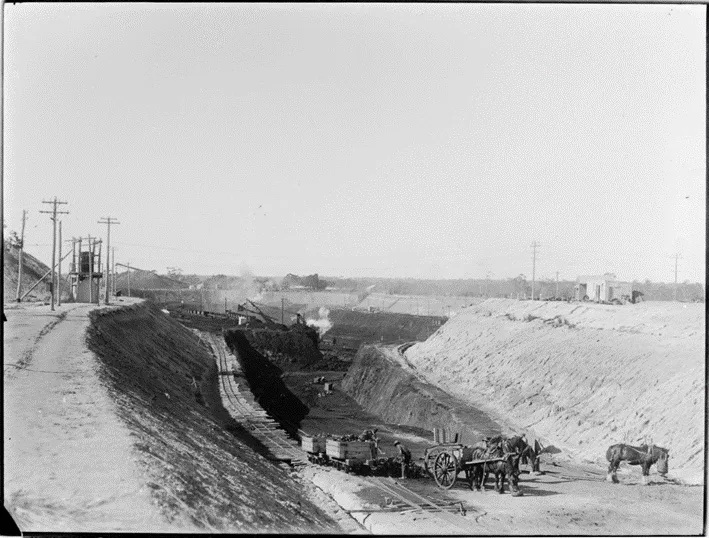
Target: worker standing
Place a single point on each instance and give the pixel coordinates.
(405, 457)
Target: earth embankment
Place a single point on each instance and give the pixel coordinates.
(382, 386)
(265, 381)
(162, 378)
(581, 376)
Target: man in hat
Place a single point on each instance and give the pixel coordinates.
(405, 457)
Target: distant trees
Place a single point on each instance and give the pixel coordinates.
(661, 291)
(176, 274)
(14, 240)
(314, 282)
(520, 285)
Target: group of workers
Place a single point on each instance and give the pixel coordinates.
(404, 453)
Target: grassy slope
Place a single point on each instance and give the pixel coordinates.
(582, 376)
(194, 467)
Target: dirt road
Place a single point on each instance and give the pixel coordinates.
(59, 425)
(568, 499)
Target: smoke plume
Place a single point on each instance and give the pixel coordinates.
(322, 323)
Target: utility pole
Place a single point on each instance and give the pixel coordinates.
(676, 257)
(72, 268)
(534, 265)
(108, 221)
(557, 285)
(98, 287)
(59, 269)
(113, 272)
(91, 270)
(22, 247)
(54, 213)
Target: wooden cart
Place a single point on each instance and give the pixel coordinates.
(448, 463)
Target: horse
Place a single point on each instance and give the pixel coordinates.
(644, 455)
(532, 455)
(506, 468)
(518, 445)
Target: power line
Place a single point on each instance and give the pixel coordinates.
(534, 264)
(674, 293)
(54, 213)
(22, 246)
(108, 221)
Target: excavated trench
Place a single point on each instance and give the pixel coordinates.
(266, 383)
(375, 392)
(384, 388)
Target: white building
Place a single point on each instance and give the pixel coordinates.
(602, 288)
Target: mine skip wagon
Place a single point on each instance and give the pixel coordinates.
(348, 456)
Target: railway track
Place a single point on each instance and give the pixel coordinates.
(245, 409)
(402, 499)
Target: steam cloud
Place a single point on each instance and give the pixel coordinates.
(323, 323)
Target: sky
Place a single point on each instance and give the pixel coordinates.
(391, 140)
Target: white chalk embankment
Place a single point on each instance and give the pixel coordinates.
(581, 376)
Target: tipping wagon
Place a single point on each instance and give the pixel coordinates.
(350, 455)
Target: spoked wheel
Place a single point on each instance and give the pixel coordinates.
(445, 470)
(430, 458)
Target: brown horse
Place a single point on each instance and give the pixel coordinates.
(644, 455)
(519, 446)
(506, 468)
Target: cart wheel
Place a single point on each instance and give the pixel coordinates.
(445, 470)
(429, 458)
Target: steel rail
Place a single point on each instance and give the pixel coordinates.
(256, 419)
(399, 491)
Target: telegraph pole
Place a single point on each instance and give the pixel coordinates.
(108, 221)
(54, 213)
(557, 285)
(22, 247)
(72, 268)
(59, 269)
(113, 271)
(676, 257)
(91, 270)
(534, 265)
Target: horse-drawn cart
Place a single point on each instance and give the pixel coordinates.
(450, 460)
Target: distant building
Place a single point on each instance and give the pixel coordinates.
(605, 287)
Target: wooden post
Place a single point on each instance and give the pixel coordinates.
(91, 271)
(22, 247)
(113, 272)
(98, 270)
(74, 270)
(59, 269)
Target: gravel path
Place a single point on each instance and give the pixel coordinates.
(68, 464)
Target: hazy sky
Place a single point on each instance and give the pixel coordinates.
(363, 139)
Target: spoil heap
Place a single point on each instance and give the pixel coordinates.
(582, 376)
(198, 466)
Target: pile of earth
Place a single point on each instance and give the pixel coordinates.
(140, 279)
(582, 376)
(383, 386)
(197, 462)
(353, 328)
(32, 271)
